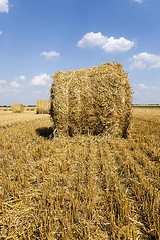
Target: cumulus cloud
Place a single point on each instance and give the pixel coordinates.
(4, 6)
(20, 78)
(92, 40)
(142, 86)
(137, 64)
(41, 80)
(12, 88)
(138, 1)
(109, 45)
(15, 84)
(50, 55)
(3, 81)
(117, 45)
(145, 60)
(10, 91)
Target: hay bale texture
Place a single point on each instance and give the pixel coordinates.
(43, 106)
(95, 100)
(17, 108)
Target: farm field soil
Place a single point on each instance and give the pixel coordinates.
(85, 187)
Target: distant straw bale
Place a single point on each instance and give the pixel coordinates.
(95, 101)
(17, 108)
(43, 106)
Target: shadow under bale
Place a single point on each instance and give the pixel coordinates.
(46, 132)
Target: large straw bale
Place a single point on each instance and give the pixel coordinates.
(43, 106)
(17, 108)
(95, 100)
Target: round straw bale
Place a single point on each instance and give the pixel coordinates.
(95, 100)
(43, 106)
(17, 108)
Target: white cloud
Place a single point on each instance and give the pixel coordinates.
(117, 45)
(139, 1)
(0, 32)
(50, 55)
(142, 86)
(20, 78)
(107, 44)
(145, 60)
(137, 64)
(155, 88)
(12, 88)
(92, 40)
(4, 6)
(41, 80)
(15, 84)
(3, 81)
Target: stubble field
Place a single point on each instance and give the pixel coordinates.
(84, 187)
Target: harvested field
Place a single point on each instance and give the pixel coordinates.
(9, 118)
(87, 187)
(5, 109)
(147, 113)
(26, 109)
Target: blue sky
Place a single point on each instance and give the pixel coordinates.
(40, 37)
